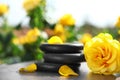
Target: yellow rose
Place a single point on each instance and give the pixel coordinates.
(118, 31)
(18, 41)
(67, 20)
(32, 35)
(33, 32)
(55, 40)
(117, 24)
(22, 40)
(85, 38)
(30, 4)
(59, 29)
(102, 54)
(62, 37)
(60, 32)
(15, 41)
(31, 39)
(3, 9)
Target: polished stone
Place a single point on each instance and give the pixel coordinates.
(54, 67)
(61, 48)
(64, 58)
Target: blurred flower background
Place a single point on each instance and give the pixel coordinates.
(25, 24)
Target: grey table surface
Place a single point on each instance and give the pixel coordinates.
(10, 72)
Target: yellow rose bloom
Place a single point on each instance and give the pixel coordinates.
(117, 24)
(3, 9)
(118, 31)
(33, 32)
(22, 40)
(30, 4)
(31, 39)
(67, 20)
(85, 38)
(59, 29)
(15, 41)
(102, 54)
(63, 37)
(31, 36)
(55, 40)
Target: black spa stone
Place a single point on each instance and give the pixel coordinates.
(64, 58)
(51, 67)
(61, 48)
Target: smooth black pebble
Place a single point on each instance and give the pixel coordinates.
(64, 58)
(61, 48)
(51, 67)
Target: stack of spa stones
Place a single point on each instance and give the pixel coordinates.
(56, 55)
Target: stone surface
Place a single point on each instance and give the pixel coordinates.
(10, 72)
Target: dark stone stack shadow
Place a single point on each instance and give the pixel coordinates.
(56, 55)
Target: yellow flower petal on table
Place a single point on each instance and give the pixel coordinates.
(3, 9)
(55, 40)
(67, 20)
(102, 54)
(66, 71)
(29, 68)
(31, 4)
